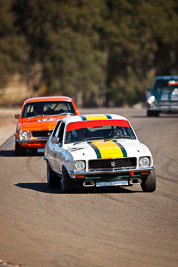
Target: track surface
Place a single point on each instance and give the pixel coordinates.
(93, 227)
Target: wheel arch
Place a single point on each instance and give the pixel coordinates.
(64, 165)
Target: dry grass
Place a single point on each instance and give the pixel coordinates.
(15, 92)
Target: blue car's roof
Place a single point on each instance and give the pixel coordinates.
(166, 77)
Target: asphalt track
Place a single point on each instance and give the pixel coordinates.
(111, 226)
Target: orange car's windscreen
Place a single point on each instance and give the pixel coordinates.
(98, 129)
(47, 108)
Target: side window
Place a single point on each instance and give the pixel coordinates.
(61, 132)
(56, 129)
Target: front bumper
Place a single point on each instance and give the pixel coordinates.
(33, 143)
(113, 174)
(39, 139)
(164, 107)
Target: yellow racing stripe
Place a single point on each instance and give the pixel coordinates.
(108, 149)
(94, 117)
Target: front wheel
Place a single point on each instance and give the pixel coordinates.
(52, 179)
(149, 113)
(19, 151)
(152, 113)
(156, 113)
(149, 184)
(68, 184)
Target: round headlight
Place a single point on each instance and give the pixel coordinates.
(80, 165)
(151, 99)
(23, 135)
(144, 162)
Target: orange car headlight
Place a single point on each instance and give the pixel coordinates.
(24, 135)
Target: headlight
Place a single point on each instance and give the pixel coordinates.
(151, 99)
(24, 135)
(79, 165)
(144, 162)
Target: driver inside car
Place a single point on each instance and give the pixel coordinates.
(38, 110)
(77, 135)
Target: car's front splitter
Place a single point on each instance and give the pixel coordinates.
(123, 179)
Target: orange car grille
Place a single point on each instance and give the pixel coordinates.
(41, 133)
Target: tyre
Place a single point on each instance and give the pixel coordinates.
(34, 151)
(156, 113)
(53, 179)
(68, 184)
(19, 151)
(149, 184)
(149, 113)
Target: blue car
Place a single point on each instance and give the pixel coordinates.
(163, 96)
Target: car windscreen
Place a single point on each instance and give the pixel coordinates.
(165, 84)
(47, 108)
(98, 129)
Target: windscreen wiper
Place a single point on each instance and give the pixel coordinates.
(64, 113)
(124, 136)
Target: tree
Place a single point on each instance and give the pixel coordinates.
(140, 46)
(12, 56)
(103, 52)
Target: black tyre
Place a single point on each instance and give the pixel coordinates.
(19, 151)
(149, 184)
(149, 113)
(34, 151)
(68, 184)
(53, 179)
(156, 113)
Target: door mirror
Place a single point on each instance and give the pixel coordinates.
(55, 140)
(17, 116)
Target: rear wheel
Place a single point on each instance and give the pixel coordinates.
(19, 151)
(53, 179)
(68, 184)
(149, 184)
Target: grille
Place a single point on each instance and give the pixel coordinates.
(166, 103)
(112, 163)
(41, 133)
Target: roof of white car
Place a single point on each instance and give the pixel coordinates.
(93, 117)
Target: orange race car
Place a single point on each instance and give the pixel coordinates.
(37, 120)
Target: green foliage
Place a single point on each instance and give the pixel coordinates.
(71, 66)
(141, 45)
(99, 52)
(13, 47)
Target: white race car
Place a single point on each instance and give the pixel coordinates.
(97, 150)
